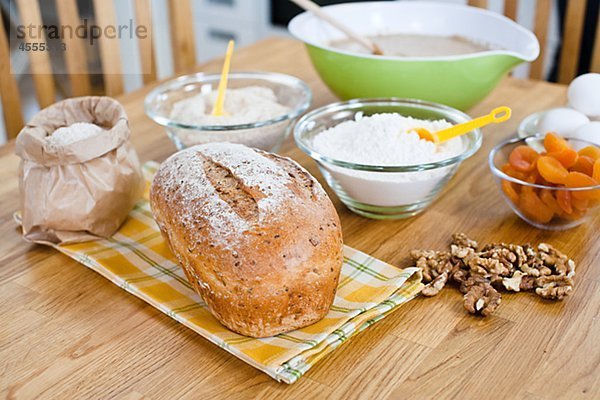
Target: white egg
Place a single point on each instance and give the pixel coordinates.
(589, 132)
(584, 94)
(563, 121)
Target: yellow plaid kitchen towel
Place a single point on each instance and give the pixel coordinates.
(138, 260)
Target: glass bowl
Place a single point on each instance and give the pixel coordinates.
(530, 125)
(266, 135)
(376, 191)
(544, 206)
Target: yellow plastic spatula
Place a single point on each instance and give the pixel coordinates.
(218, 109)
(497, 115)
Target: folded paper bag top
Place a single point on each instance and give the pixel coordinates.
(80, 190)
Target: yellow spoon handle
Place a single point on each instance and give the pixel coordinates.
(218, 109)
(497, 115)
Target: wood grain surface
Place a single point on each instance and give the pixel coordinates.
(66, 332)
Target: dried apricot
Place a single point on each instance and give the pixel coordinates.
(553, 142)
(552, 170)
(585, 165)
(548, 198)
(579, 180)
(590, 151)
(534, 208)
(512, 172)
(535, 177)
(596, 170)
(523, 158)
(563, 198)
(580, 204)
(509, 189)
(575, 215)
(567, 157)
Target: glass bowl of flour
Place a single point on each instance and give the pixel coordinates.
(260, 108)
(374, 161)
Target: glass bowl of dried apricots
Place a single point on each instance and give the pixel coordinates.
(549, 181)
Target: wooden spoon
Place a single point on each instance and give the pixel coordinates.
(318, 11)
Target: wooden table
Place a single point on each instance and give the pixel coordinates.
(65, 332)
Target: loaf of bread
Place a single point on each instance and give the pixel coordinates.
(255, 233)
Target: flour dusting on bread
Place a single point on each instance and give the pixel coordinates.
(232, 186)
(254, 171)
(185, 183)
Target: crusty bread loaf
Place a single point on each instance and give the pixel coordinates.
(255, 233)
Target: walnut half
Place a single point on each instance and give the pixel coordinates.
(482, 299)
(554, 287)
(513, 283)
(435, 286)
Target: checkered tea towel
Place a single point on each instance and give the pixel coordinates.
(138, 260)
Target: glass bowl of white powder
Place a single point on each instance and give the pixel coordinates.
(374, 162)
(260, 108)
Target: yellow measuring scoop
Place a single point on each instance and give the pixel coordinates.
(497, 115)
(218, 108)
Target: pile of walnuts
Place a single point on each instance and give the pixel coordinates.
(481, 272)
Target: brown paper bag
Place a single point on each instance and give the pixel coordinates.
(80, 191)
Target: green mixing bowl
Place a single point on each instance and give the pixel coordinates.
(458, 81)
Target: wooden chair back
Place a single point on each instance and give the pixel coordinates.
(182, 34)
(571, 39)
(182, 37)
(9, 92)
